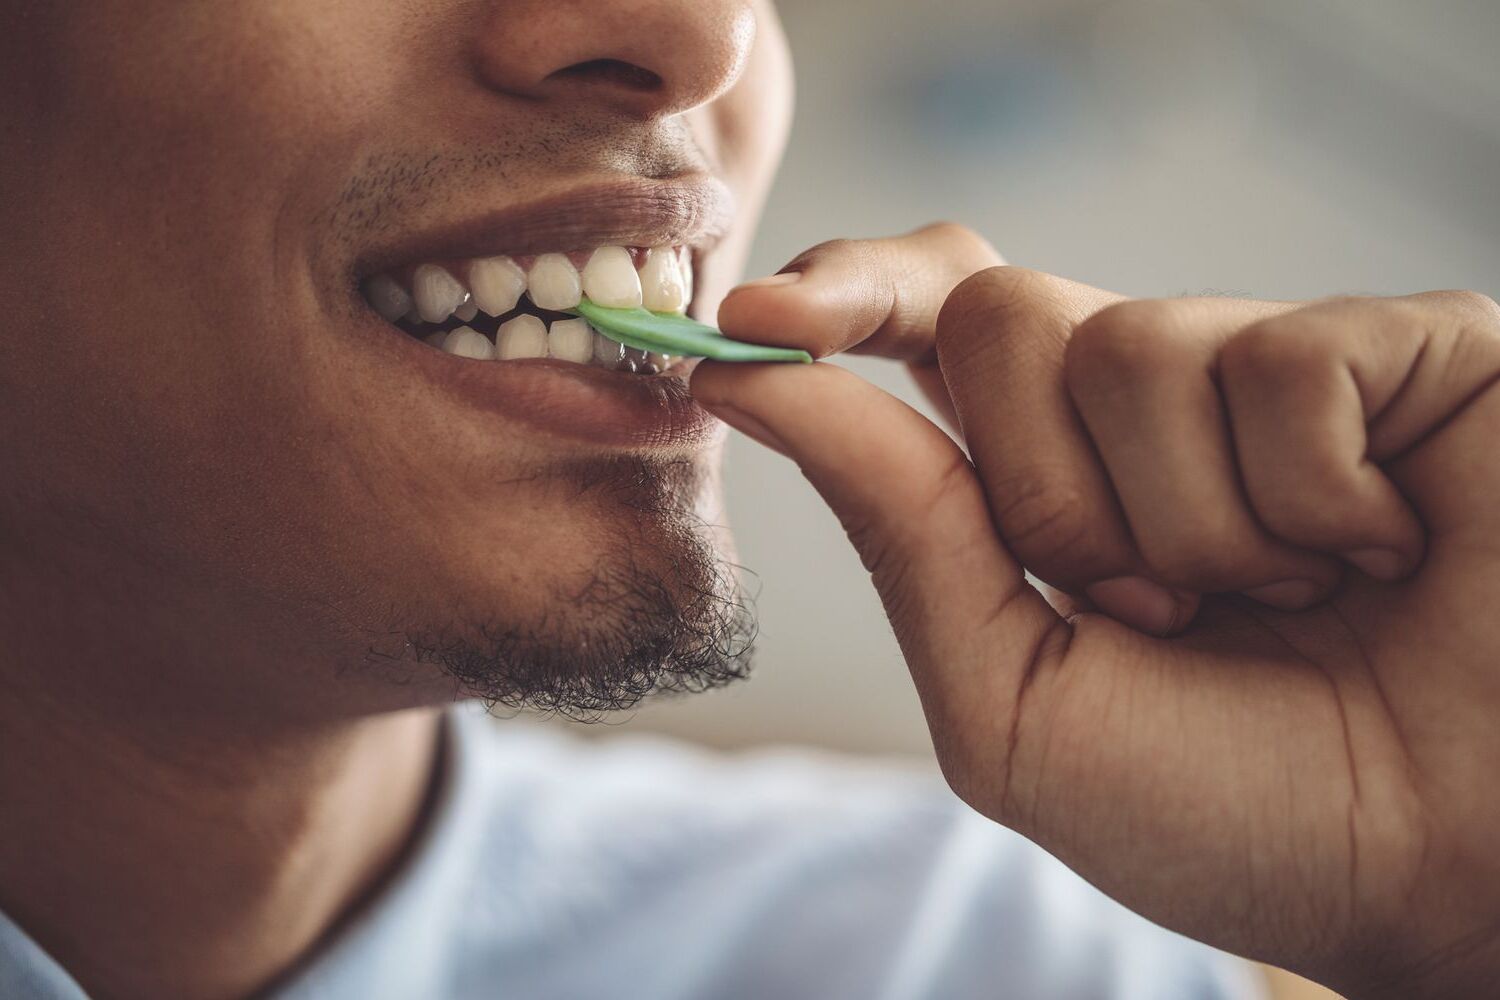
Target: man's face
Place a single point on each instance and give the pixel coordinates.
(223, 466)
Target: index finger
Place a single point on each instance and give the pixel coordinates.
(875, 296)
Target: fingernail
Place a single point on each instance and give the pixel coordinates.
(749, 426)
(1288, 595)
(1138, 602)
(1382, 564)
(774, 281)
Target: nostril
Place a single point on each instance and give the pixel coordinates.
(611, 71)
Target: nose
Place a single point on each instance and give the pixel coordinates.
(641, 58)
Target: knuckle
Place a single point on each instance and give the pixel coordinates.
(1277, 350)
(997, 303)
(1007, 290)
(1128, 340)
(1475, 304)
(995, 292)
(1329, 303)
(1463, 321)
(958, 238)
(855, 251)
(947, 229)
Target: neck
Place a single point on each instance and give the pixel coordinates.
(187, 860)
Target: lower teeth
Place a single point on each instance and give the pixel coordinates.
(483, 338)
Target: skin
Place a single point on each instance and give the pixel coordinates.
(1266, 715)
(222, 520)
(223, 517)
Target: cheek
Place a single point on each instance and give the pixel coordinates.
(204, 134)
(177, 154)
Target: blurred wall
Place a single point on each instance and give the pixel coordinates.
(1278, 148)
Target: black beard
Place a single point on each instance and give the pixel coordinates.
(640, 626)
(654, 637)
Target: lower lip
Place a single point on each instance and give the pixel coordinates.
(580, 402)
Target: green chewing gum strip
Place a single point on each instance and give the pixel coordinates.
(670, 333)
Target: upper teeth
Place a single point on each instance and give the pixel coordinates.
(437, 292)
(609, 279)
(497, 283)
(663, 286)
(388, 298)
(494, 286)
(554, 282)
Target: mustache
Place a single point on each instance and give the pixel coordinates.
(388, 187)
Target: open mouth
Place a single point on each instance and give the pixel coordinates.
(478, 308)
(513, 308)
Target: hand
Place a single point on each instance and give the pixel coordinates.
(1297, 501)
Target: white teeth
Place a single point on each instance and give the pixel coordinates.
(554, 282)
(389, 299)
(468, 342)
(610, 279)
(571, 340)
(685, 265)
(522, 337)
(437, 292)
(663, 283)
(662, 286)
(497, 283)
(607, 352)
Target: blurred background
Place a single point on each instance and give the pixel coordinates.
(1274, 148)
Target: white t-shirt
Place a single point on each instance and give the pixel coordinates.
(554, 868)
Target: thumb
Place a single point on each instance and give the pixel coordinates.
(969, 624)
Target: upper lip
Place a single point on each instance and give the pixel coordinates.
(689, 211)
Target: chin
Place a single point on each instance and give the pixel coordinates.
(589, 588)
